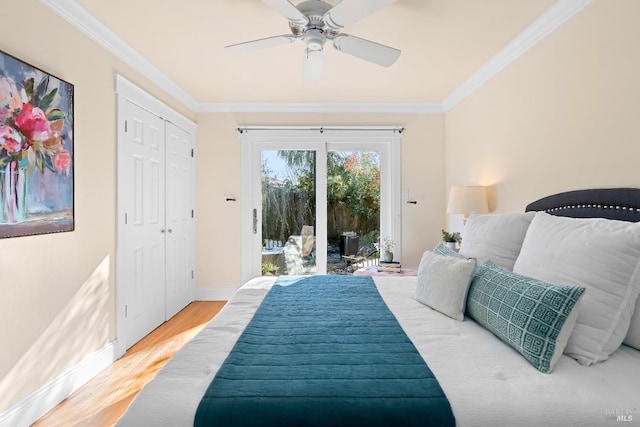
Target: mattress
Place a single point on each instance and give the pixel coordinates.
(485, 380)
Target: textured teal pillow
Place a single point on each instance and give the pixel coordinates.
(442, 249)
(532, 316)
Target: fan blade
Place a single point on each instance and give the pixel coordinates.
(288, 10)
(349, 11)
(261, 43)
(312, 65)
(366, 49)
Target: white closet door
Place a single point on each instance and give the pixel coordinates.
(180, 223)
(142, 208)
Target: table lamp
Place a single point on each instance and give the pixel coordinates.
(465, 199)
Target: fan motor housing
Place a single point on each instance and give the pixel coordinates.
(314, 10)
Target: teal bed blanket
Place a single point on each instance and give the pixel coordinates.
(324, 351)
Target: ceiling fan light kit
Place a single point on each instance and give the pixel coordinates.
(312, 65)
(314, 39)
(315, 22)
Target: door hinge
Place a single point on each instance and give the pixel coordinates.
(125, 218)
(125, 125)
(192, 152)
(193, 275)
(255, 221)
(125, 310)
(191, 213)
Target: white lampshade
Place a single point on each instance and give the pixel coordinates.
(465, 199)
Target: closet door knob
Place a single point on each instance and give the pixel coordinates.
(163, 230)
(170, 230)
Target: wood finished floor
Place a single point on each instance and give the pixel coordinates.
(106, 397)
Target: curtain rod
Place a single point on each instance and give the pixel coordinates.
(321, 129)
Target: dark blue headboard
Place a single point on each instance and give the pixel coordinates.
(610, 203)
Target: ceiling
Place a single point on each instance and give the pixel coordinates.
(443, 43)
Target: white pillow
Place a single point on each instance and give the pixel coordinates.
(443, 282)
(497, 238)
(601, 255)
(633, 336)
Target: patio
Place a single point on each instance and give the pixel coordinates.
(289, 258)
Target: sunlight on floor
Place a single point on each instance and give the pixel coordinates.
(105, 398)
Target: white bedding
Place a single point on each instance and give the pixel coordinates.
(486, 381)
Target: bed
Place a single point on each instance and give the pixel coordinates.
(487, 380)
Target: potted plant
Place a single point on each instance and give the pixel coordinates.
(451, 238)
(269, 269)
(387, 249)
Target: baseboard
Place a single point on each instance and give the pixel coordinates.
(34, 406)
(219, 294)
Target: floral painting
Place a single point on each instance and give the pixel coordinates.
(36, 150)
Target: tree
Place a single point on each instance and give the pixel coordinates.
(286, 206)
(353, 187)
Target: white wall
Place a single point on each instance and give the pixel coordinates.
(564, 116)
(58, 290)
(218, 221)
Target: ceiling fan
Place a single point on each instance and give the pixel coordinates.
(315, 22)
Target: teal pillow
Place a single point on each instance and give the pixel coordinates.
(532, 316)
(442, 249)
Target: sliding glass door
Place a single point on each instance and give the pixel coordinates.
(288, 201)
(353, 209)
(317, 202)
(289, 222)
(288, 186)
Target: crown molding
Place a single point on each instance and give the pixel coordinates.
(560, 12)
(550, 20)
(80, 18)
(319, 107)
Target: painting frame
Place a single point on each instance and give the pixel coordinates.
(37, 194)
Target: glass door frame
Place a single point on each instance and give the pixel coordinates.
(383, 139)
